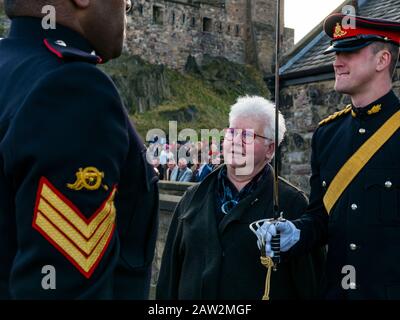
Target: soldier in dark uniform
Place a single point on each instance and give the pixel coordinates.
(355, 183)
(79, 202)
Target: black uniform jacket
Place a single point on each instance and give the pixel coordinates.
(363, 228)
(78, 201)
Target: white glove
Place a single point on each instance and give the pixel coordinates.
(288, 232)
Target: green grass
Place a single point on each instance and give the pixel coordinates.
(213, 107)
(187, 90)
(196, 101)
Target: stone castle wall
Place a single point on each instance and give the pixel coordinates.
(177, 32)
(167, 32)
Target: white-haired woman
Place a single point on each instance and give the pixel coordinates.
(210, 251)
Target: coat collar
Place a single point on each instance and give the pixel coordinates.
(263, 192)
(62, 41)
(205, 195)
(382, 107)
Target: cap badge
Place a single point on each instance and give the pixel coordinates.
(339, 32)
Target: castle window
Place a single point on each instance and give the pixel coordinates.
(193, 23)
(207, 24)
(173, 17)
(183, 19)
(229, 29)
(157, 15)
(220, 27)
(140, 9)
(237, 30)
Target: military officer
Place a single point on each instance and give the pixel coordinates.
(79, 203)
(354, 204)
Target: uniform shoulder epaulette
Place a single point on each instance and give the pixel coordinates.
(65, 52)
(336, 115)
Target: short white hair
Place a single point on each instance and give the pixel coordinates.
(255, 107)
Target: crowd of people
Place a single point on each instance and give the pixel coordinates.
(186, 161)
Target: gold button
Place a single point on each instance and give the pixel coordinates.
(388, 184)
(361, 130)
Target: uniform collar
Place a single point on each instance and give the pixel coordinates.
(30, 29)
(384, 103)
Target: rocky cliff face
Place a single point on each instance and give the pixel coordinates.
(143, 86)
(227, 77)
(4, 21)
(198, 98)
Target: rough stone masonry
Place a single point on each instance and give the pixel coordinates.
(168, 31)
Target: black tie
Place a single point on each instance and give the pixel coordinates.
(178, 175)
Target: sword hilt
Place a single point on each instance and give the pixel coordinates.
(276, 249)
(276, 242)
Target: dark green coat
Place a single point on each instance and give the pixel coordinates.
(204, 261)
